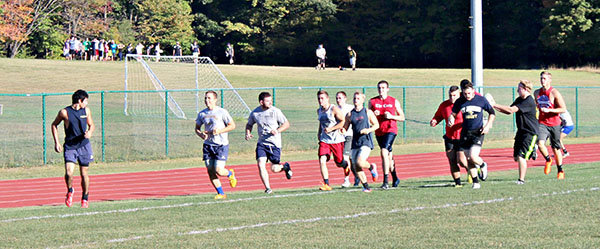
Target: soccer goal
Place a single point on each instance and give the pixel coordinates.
(148, 76)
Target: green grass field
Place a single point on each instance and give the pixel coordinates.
(422, 213)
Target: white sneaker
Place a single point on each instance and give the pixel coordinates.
(482, 173)
(346, 183)
(476, 185)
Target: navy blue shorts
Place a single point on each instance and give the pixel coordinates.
(216, 152)
(386, 141)
(83, 155)
(271, 152)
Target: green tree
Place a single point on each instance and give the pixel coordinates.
(164, 21)
(571, 32)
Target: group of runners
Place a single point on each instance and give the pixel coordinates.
(345, 133)
(540, 115)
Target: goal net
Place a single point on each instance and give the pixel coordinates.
(148, 76)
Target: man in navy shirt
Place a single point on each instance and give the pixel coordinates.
(472, 105)
(77, 148)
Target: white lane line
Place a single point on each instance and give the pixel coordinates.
(131, 210)
(349, 216)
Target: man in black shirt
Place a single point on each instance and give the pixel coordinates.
(527, 126)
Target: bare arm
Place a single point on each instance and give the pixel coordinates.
(399, 117)
(486, 128)
(62, 115)
(249, 130)
(506, 109)
(90, 123)
(347, 121)
(199, 132)
(228, 128)
(373, 121)
(559, 103)
(283, 127)
(339, 116)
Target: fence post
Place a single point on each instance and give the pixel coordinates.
(44, 128)
(404, 110)
(443, 122)
(167, 122)
(102, 123)
(274, 96)
(514, 124)
(222, 97)
(576, 111)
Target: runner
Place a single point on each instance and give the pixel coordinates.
(567, 126)
(340, 98)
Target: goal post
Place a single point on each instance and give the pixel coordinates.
(151, 75)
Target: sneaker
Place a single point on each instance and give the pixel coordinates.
(69, 199)
(325, 187)
(374, 171)
(548, 167)
(476, 185)
(232, 179)
(483, 171)
(356, 181)
(220, 196)
(470, 179)
(396, 183)
(534, 154)
(566, 154)
(458, 185)
(84, 204)
(385, 186)
(288, 172)
(346, 183)
(561, 175)
(268, 191)
(366, 190)
(520, 182)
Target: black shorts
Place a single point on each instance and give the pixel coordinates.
(550, 131)
(386, 141)
(451, 144)
(470, 138)
(524, 145)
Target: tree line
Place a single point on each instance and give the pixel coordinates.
(384, 33)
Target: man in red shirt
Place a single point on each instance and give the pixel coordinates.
(551, 104)
(452, 136)
(388, 111)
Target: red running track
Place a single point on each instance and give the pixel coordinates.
(157, 184)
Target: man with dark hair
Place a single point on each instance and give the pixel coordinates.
(452, 135)
(388, 112)
(217, 124)
(471, 106)
(270, 123)
(527, 126)
(331, 140)
(551, 104)
(79, 127)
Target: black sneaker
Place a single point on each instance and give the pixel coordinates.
(483, 171)
(385, 186)
(396, 183)
(288, 170)
(268, 191)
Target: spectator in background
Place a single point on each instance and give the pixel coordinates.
(113, 49)
(352, 55)
(86, 47)
(229, 52)
(177, 50)
(139, 49)
(321, 55)
(120, 48)
(158, 51)
(149, 49)
(95, 46)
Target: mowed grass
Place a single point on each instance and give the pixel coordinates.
(421, 213)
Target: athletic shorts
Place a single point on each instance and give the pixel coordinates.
(337, 150)
(567, 129)
(550, 131)
(352, 61)
(82, 155)
(470, 138)
(524, 145)
(386, 141)
(72, 51)
(348, 146)
(269, 151)
(215, 152)
(362, 152)
(450, 144)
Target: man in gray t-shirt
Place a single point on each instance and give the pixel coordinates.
(217, 123)
(270, 122)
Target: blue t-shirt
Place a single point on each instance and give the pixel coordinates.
(472, 111)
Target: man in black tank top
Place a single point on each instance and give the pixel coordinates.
(79, 127)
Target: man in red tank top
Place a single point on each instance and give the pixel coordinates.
(550, 104)
(452, 135)
(388, 111)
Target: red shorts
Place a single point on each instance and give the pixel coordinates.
(337, 150)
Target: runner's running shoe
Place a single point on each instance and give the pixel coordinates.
(288, 170)
(84, 204)
(374, 171)
(232, 179)
(561, 175)
(220, 196)
(325, 187)
(483, 171)
(476, 185)
(69, 199)
(346, 183)
(366, 190)
(268, 191)
(548, 167)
